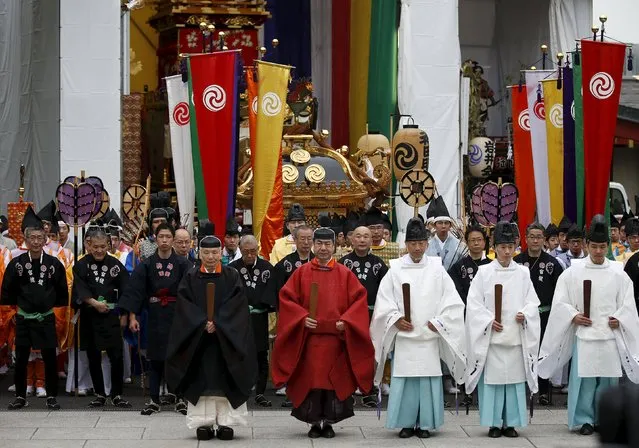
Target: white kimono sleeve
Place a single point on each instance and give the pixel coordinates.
(449, 323)
(556, 348)
(479, 321)
(627, 335)
(530, 332)
(383, 330)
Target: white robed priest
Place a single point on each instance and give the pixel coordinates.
(599, 345)
(435, 331)
(502, 356)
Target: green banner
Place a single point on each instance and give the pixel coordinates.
(579, 141)
(382, 74)
(200, 192)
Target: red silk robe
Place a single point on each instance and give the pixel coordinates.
(323, 358)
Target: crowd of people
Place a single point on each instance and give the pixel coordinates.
(355, 315)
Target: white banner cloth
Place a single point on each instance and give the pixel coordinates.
(179, 118)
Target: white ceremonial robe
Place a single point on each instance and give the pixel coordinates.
(434, 299)
(510, 356)
(603, 352)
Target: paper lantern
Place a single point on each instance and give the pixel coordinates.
(410, 150)
(481, 156)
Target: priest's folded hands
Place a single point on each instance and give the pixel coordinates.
(403, 325)
(614, 323)
(580, 319)
(210, 327)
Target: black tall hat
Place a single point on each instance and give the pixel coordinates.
(437, 210)
(232, 227)
(338, 224)
(47, 213)
(158, 213)
(373, 217)
(114, 220)
(205, 228)
(564, 224)
(574, 232)
(632, 227)
(551, 230)
(296, 213)
(161, 199)
(416, 230)
(614, 223)
(504, 233)
(31, 220)
(352, 222)
(598, 230)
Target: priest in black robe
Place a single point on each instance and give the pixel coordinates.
(544, 273)
(256, 274)
(465, 269)
(35, 283)
(211, 356)
(632, 269)
(98, 280)
(153, 287)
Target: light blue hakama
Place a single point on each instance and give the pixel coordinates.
(584, 394)
(416, 402)
(502, 405)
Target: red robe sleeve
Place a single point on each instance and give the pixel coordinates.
(291, 333)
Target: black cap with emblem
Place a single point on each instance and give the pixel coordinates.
(324, 233)
(232, 227)
(632, 227)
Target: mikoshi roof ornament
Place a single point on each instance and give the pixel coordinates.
(410, 158)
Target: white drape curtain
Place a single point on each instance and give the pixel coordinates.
(29, 99)
(569, 20)
(321, 59)
(428, 89)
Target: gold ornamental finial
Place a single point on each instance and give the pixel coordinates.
(275, 42)
(532, 67)
(203, 26)
(211, 27)
(603, 18)
(595, 29)
(544, 48)
(21, 189)
(560, 57)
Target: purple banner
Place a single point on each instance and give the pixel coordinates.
(570, 179)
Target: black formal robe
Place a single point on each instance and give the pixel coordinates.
(35, 286)
(100, 280)
(544, 273)
(463, 272)
(283, 270)
(199, 363)
(369, 270)
(632, 269)
(153, 286)
(261, 298)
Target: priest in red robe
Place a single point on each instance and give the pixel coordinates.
(323, 359)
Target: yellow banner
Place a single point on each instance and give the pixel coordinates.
(358, 76)
(271, 106)
(553, 105)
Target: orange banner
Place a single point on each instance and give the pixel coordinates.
(252, 89)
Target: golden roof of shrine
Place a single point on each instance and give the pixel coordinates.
(317, 176)
(228, 13)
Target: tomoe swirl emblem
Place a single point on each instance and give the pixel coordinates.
(524, 120)
(254, 105)
(557, 116)
(602, 86)
(181, 114)
(572, 110)
(475, 154)
(214, 98)
(540, 110)
(271, 104)
(405, 156)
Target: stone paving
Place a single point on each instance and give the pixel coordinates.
(267, 429)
